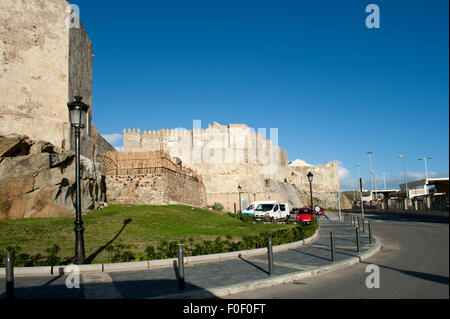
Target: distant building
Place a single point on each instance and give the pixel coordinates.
(431, 193)
(424, 194)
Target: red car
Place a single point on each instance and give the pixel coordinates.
(304, 215)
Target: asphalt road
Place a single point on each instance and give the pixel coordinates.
(413, 263)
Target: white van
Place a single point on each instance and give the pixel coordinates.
(251, 209)
(271, 209)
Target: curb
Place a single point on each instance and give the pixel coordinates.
(275, 281)
(152, 264)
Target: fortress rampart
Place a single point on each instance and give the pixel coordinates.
(44, 64)
(226, 156)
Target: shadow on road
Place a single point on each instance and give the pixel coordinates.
(404, 218)
(422, 275)
(136, 289)
(254, 265)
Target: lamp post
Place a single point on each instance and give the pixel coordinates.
(370, 169)
(239, 190)
(310, 179)
(370, 174)
(77, 117)
(406, 180)
(426, 168)
(360, 189)
(384, 176)
(426, 179)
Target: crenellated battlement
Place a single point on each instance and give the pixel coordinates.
(232, 143)
(230, 155)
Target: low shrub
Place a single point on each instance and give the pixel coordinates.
(219, 245)
(27, 260)
(243, 217)
(118, 253)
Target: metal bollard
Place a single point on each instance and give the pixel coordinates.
(270, 255)
(333, 250)
(370, 232)
(358, 248)
(9, 275)
(180, 267)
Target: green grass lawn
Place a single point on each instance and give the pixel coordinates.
(136, 226)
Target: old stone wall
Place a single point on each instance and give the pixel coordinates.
(34, 70)
(43, 65)
(218, 144)
(151, 178)
(226, 156)
(154, 189)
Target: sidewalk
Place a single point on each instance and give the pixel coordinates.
(210, 279)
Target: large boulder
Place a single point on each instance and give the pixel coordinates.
(38, 180)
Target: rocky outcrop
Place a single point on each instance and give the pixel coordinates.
(38, 180)
(325, 200)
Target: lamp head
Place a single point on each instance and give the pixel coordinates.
(77, 112)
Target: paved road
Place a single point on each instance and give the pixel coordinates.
(413, 261)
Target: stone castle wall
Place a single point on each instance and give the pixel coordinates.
(151, 178)
(226, 156)
(225, 144)
(154, 189)
(43, 65)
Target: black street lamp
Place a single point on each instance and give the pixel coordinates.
(77, 117)
(310, 179)
(239, 190)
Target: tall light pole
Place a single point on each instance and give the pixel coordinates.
(370, 172)
(404, 173)
(77, 117)
(384, 176)
(426, 168)
(360, 190)
(310, 180)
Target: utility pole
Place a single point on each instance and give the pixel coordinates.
(360, 189)
(426, 168)
(370, 171)
(406, 180)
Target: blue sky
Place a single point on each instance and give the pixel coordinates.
(332, 87)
